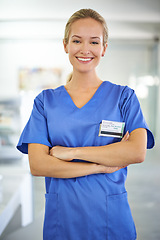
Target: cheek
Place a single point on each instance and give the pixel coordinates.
(72, 49)
(71, 55)
(98, 51)
(70, 59)
(101, 50)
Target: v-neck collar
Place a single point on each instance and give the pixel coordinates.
(90, 100)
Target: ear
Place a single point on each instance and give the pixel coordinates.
(104, 49)
(65, 46)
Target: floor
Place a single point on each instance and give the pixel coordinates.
(143, 186)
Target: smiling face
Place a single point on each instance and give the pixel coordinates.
(85, 46)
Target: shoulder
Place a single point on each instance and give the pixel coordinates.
(121, 89)
(49, 94)
(121, 94)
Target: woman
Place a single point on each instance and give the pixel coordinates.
(74, 139)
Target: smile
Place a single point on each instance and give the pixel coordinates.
(84, 59)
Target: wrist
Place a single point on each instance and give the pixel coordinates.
(97, 168)
(100, 168)
(76, 152)
(70, 153)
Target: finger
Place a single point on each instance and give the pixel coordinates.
(126, 137)
(112, 169)
(124, 166)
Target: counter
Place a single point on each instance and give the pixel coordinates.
(15, 191)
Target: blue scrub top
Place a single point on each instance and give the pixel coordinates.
(93, 207)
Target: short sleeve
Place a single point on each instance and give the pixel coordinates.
(132, 114)
(36, 130)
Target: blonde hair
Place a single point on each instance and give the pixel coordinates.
(81, 14)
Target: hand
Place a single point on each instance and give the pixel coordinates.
(125, 137)
(105, 169)
(63, 153)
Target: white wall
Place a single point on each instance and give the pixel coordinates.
(158, 102)
(18, 54)
(124, 59)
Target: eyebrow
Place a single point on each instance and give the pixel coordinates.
(81, 37)
(76, 36)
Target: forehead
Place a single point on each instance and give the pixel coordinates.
(86, 27)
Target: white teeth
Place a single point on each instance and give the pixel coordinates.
(84, 59)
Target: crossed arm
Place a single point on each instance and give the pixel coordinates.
(102, 159)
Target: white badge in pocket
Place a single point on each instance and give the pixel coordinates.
(111, 129)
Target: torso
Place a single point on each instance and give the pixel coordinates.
(87, 207)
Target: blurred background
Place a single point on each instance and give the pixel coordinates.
(32, 58)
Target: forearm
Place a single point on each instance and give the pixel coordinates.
(117, 154)
(60, 169)
(42, 164)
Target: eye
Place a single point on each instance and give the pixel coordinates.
(94, 43)
(76, 41)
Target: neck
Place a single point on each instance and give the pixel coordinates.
(84, 80)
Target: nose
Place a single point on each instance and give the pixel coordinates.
(85, 49)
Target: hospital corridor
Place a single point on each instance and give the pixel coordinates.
(117, 89)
